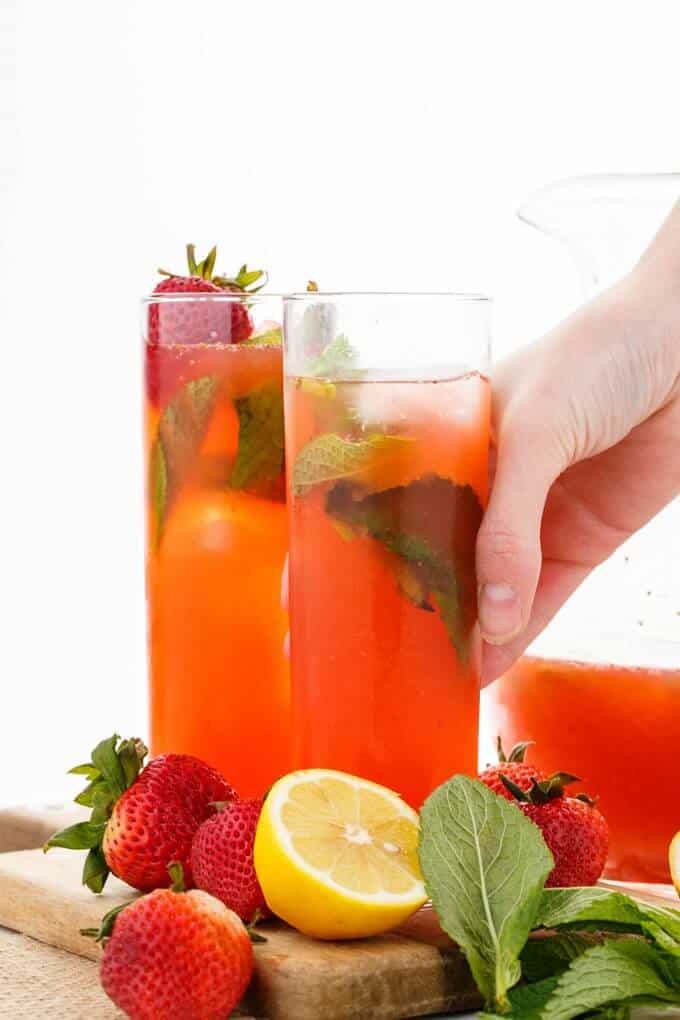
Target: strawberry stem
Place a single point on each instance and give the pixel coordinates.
(176, 872)
(114, 767)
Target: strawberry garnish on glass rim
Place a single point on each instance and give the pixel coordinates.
(195, 322)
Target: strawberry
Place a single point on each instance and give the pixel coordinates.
(179, 330)
(222, 858)
(576, 833)
(142, 818)
(513, 767)
(175, 955)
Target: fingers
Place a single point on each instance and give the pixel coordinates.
(508, 544)
(557, 582)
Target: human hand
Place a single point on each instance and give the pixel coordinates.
(586, 422)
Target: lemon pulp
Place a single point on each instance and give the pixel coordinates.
(336, 855)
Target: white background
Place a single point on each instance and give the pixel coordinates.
(365, 144)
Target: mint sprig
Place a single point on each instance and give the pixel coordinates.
(338, 359)
(430, 526)
(270, 338)
(594, 953)
(609, 978)
(484, 866)
(181, 428)
(329, 458)
(260, 456)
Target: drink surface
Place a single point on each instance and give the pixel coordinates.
(615, 726)
(217, 539)
(387, 484)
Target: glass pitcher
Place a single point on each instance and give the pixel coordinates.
(599, 690)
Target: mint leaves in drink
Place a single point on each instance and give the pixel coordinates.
(180, 431)
(329, 458)
(338, 359)
(430, 527)
(592, 952)
(484, 866)
(260, 456)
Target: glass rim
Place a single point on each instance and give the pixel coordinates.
(347, 295)
(228, 297)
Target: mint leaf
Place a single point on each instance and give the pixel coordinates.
(260, 456)
(338, 358)
(431, 525)
(526, 1002)
(181, 428)
(484, 865)
(607, 979)
(620, 972)
(270, 338)
(329, 457)
(604, 910)
(546, 956)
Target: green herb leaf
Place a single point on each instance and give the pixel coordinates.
(260, 456)
(329, 458)
(81, 836)
(549, 955)
(604, 910)
(270, 338)
(337, 359)
(621, 972)
(484, 865)
(431, 524)
(180, 430)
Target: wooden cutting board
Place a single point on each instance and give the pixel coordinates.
(414, 972)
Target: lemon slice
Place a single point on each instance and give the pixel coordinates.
(336, 856)
(674, 861)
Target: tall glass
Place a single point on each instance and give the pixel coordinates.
(387, 435)
(217, 533)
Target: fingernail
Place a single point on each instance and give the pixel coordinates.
(500, 613)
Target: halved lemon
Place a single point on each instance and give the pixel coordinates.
(336, 855)
(674, 861)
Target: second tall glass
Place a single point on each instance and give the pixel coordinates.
(387, 435)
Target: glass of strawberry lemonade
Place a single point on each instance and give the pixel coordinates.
(387, 436)
(217, 529)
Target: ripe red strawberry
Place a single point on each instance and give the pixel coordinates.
(176, 955)
(222, 858)
(513, 767)
(574, 830)
(183, 322)
(177, 330)
(141, 820)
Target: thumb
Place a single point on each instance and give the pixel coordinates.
(509, 541)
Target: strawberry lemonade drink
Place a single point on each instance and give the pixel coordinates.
(614, 724)
(387, 454)
(217, 528)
